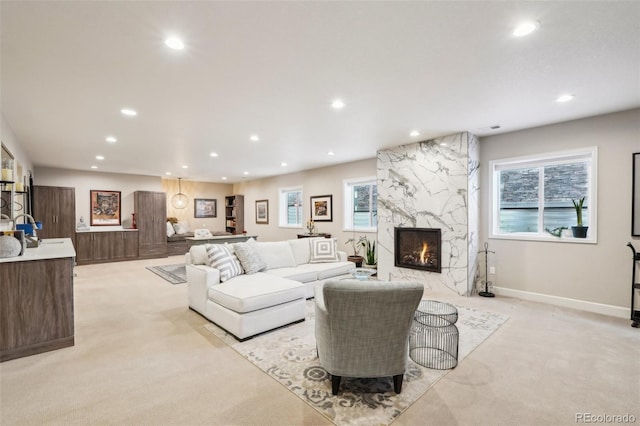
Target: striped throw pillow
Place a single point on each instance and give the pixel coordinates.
(222, 258)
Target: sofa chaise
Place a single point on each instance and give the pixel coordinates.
(270, 289)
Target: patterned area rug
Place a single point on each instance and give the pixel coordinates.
(289, 356)
(175, 274)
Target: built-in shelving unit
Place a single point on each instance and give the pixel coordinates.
(234, 214)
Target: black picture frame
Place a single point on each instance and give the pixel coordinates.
(322, 208)
(105, 207)
(205, 207)
(635, 200)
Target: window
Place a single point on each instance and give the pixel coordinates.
(290, 212)
(361, 204)
(532, 196)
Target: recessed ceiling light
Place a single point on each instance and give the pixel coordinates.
(174, 43)
(245, 173)
(444, 144)
(185, 167)
(167, 173)
(94, 167)
(129, 112)
(331, 153)
(213, 154)
(99, 157)
(111, 139)
(224, 178)
(414, 133)
(565, 98)
(254, 138)
(283, 164)
(337, 104)
(525, 28)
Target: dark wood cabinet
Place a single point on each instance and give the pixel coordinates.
(36, 313)
(55, 207)
(84, 247)
(234, 214)
(106, 246)
(151, 219)
(131, 244)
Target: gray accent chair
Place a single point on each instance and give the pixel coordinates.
(362, 328)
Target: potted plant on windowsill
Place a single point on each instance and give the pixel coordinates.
(370, 253)
(355, 245)
(579, 231)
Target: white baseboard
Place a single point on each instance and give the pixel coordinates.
(598, 308)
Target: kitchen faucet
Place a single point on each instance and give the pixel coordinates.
(28, 216)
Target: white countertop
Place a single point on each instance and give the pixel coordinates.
(52, 248)
(219, 237)
(108, 229)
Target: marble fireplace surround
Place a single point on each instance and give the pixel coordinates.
(432, 184)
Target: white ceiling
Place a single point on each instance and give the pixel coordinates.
(273, 68)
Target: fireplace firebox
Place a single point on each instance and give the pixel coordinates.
(418, 248)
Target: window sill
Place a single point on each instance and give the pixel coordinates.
(366, 230)
(545, 238)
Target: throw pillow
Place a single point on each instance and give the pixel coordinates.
(323, 250)
(223, 259)
(181, 228)
(202, 233)
(170, 230)
(249, 257)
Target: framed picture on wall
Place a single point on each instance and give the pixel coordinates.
(105, 208)
(262, 211)
(204, 207)
(635, 202)
(322, 208)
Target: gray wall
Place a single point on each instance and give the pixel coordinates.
(85, 181)
(324, 181)
(591, 274)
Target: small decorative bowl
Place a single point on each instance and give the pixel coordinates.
(363, 273)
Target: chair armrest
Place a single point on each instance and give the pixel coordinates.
(199, 279)
(322, 329)
(342, 256)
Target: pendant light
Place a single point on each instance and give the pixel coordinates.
(179, 200)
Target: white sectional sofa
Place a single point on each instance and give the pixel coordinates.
(254, 302)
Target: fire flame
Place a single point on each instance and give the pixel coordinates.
(423, 253)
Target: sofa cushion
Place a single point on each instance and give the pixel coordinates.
(296, 274)
(202, 233)
(329, 270)
(301, 249)
(199, 254)
(246, 293)
(179, 237)
(249, 257)
(222, 258)
(276, 254)
(323, 250)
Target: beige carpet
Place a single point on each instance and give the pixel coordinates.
(143, 358)
(289, 356)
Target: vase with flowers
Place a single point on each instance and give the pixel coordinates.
(311, 227)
